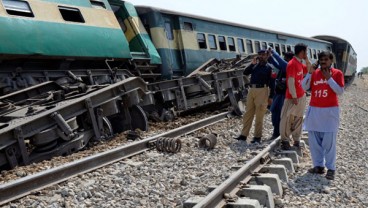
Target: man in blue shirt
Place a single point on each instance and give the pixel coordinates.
(260, 95)
(280, 89)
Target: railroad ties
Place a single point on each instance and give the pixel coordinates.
(255, 183)
(166, 142)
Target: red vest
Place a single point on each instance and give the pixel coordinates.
(296, 70)
(322, 94)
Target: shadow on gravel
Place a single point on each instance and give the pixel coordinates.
(308, 183)
(243, 146)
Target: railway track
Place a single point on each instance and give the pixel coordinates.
(254, 183)
(23, 186)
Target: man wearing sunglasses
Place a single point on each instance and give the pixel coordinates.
(323, 115)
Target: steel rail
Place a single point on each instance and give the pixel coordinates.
(234, 183)
(23, 186)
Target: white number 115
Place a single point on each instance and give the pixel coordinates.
(320, 93)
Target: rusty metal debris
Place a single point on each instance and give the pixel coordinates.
(214, 65)
(170, 145)
(208, 142)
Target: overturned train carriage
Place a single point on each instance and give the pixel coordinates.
(74, 74)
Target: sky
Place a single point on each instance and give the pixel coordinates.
(347, 19)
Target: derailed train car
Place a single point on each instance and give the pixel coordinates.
(73, 71)
(188, 40)
(345, 56)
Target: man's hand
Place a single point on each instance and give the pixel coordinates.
(326, 73)
(305, 55)
(269, 52)
(254, 61)
(310, 67)
(295, 101)
(313, 68)
(270, 100)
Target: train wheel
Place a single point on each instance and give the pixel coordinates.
(234, 102)
(138, 118)
(130, 119)
(107, 128)
(241, 105)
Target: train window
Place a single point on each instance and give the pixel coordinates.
(169, 32)
(310, 53)
(71, 14)
(188, 26)
(288, 48)
(212, 42)
(122, 24)
(201, 38)
(249, 47)
(270, 45)
(257, 45)
(293, 49)
(314, 54)
(241, 48)
(264, 45)
(222, 43)
(283, 48)
(231, 44)
(98, 4)
(18, 8)
(277, 48)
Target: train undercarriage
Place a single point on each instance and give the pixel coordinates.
(68, 109)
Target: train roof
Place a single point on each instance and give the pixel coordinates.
(171, 12)
(330, 38)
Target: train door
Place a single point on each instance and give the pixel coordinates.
(341, 55)
(171, 49)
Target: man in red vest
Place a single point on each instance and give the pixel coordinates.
(295, 99)
(323, 115)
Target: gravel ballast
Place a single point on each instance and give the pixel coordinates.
(158, 179)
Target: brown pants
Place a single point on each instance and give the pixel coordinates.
(292, 119)
(257, 101)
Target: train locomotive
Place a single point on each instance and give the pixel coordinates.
(72, 71)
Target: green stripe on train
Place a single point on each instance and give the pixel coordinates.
(141, 42)
(57, 39)
(183, 62)
(135, 45)
(130, 9)
(78, 3)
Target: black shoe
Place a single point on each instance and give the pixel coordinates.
(285, 145)
(317, 170)
(241, 138)
(330, 175)
(256, 140)
(296, 144)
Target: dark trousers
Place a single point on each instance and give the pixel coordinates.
(276, 107)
